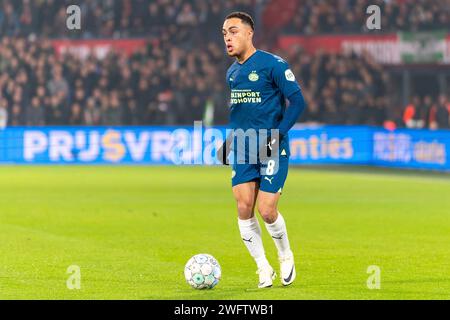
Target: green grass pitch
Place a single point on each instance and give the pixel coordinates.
(132, 229)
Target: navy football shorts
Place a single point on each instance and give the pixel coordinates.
(271, 174)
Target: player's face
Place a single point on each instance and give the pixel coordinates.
(237, 36)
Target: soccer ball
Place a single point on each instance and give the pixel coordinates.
(202, 271)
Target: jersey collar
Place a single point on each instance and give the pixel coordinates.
(253, 54)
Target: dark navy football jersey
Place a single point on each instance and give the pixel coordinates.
(259, 88)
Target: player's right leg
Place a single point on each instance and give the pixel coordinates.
(250, 230)
(276, 226)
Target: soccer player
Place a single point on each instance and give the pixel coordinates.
(260, 83)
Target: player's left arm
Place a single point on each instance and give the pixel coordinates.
(284, 79)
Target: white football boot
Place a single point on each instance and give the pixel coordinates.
(266, 277)
(287, 269)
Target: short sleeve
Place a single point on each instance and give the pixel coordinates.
(284, 78)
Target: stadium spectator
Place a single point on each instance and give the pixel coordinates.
(440, 114)
(111, 109)
(58, 84)
(17, 115)
(92, 113)
(413, 115)
(35, 113)
(427, 106)
(76, 115)
(9, 20)
(56, 111)
(3, 114)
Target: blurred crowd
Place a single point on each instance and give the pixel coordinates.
(427, 113)
(131, 18)
(158, 84)
(166, 84)
(349, 16)
(179, 76)
(117, 18)
(341, 88)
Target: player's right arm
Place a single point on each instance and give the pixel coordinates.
(224, 150)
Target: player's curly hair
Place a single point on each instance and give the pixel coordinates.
(245, 18)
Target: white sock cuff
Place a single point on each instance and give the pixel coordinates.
(248, 223)
(279, 223)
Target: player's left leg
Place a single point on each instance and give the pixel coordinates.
(268, 197)
(276, 226)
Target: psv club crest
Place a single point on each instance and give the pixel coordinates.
(253, 76)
